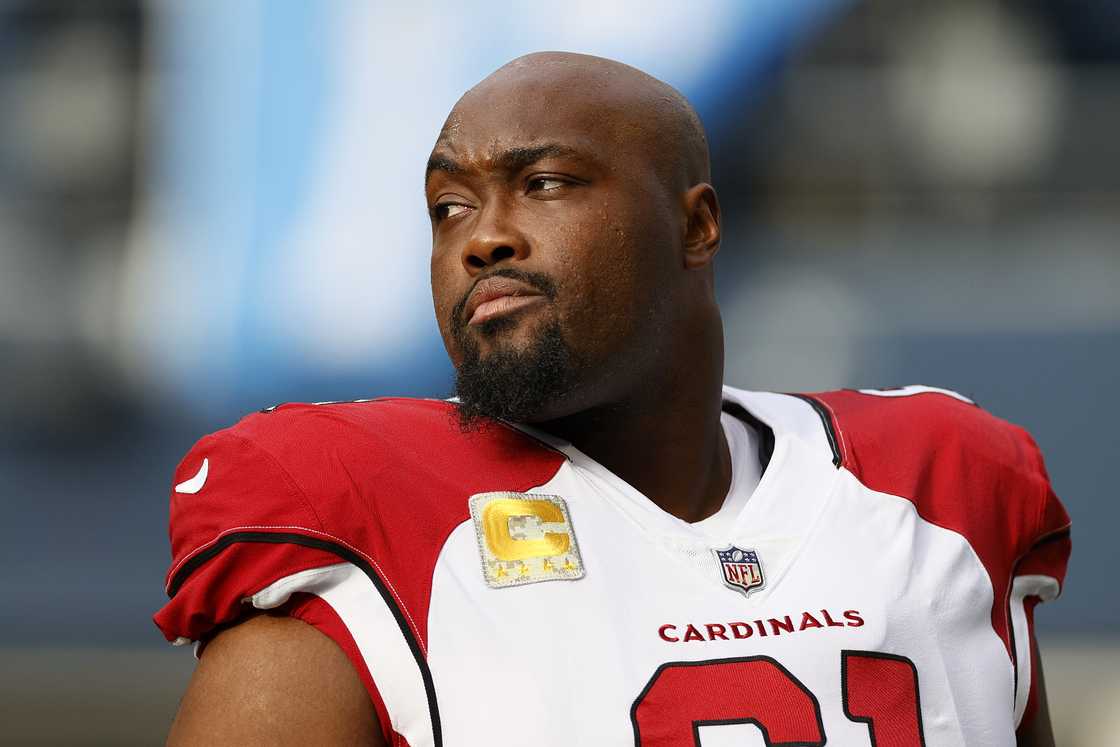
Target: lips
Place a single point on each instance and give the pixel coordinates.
(499, 295)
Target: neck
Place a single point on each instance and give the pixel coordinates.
(665, 437)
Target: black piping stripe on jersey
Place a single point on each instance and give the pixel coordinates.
(350, 556)
(826, 421)
(765, 432)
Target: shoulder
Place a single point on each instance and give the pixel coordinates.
(287, 466)
(918, 425)
(379, 484)
(384, 428)
(348, 469)
(285, 439)
(961, 466)
(316, 453)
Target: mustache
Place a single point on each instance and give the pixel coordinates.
(538, 280)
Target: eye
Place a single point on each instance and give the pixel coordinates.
(546, 184)
(443, 210)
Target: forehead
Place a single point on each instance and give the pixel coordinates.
(492, 119)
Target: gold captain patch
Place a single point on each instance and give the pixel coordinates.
(524, 538)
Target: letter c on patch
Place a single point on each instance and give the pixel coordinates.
(495, 523)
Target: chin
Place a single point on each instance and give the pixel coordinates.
(526, 374)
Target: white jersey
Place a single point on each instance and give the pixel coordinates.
(876, 587)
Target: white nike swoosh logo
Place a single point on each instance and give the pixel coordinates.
(195, 484)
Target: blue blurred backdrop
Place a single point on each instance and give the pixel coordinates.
(207, 208)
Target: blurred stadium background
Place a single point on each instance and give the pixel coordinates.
(206, 208)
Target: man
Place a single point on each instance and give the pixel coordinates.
(599, 544)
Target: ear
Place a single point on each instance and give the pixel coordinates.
(702, 233)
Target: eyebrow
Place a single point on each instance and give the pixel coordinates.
(511, 161)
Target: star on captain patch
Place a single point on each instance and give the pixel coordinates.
(524, 538)
(741, 569)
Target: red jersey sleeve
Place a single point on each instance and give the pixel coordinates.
(1038, 576)
(972, 473)
(231, 505)
(239, 524)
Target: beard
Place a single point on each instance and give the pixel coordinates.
(514, 385)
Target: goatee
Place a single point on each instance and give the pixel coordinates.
(513, 385)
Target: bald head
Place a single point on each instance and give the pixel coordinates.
(616, 101)
(573, 231)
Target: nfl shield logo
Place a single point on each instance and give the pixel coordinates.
(741, 569)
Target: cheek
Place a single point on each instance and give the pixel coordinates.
(444, 294)
(607, 281)
(637, 287)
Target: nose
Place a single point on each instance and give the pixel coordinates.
(495, 239)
